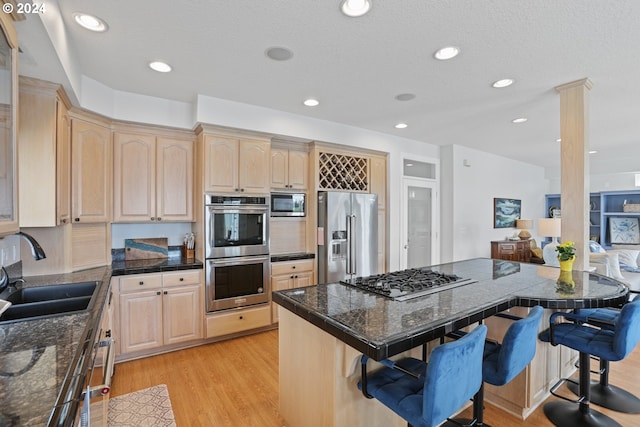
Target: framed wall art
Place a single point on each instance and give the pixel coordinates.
(506, 212)
(624, 230)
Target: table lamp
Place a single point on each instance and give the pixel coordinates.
(524, 225)
(550, 227)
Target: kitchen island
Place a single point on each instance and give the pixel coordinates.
(324, 329)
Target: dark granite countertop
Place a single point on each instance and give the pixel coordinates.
(292, 257)
(38, 357)
(380, 327)
(175, 261)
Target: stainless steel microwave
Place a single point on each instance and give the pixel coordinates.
(288, 204)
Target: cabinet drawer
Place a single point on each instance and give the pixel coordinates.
(179, 278)
(140, 282)
(238, 321)
(287, 267)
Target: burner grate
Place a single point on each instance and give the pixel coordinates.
(407, 284)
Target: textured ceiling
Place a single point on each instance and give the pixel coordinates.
(356, 66)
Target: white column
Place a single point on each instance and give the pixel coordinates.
(574, 156)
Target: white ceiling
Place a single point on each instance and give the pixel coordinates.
(356, 66)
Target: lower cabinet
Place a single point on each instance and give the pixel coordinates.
(288, 275)
(238, 320)
(160, 309)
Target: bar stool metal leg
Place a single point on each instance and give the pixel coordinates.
(609, 396)
(566, 414)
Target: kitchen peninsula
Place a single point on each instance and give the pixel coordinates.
(324, 329)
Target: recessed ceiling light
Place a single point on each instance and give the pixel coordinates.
(405, 96)
(311, 102)
(90, 22)
(159, 66)
(499, 84)
(447, 53)
(519, 120)
(401, 126)
(593, 151)
(279, 53)
(409, 164)
(355, 8)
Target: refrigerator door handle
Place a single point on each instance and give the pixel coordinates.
(351, 236)
(349, 245)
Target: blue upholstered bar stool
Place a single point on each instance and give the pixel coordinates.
(611, 344)
(603, 393)
(425, 394)
(502, 362)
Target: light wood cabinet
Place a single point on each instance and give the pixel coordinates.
(289, 275)
(153, 178)
(238, 320)
(90, 171)
(44, 153)
(378, 179)
(8, 122)
(236, 165)
(289, 169)
(159, 309)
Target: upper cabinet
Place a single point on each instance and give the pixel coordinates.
(44, 134)
(8, 119)
(289, 168)
(153, 178)
(90, 171)
(236, 165)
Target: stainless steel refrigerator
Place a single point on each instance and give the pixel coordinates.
(347, 235)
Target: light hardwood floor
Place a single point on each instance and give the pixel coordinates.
(234, 383)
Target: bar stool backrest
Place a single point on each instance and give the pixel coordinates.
(627, 330)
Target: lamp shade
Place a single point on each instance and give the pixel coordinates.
(549, 227)
(524, 224)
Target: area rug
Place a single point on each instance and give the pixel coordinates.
(150, 407)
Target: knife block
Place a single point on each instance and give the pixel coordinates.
(188, 253)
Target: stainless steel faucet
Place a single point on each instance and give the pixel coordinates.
(36, 249)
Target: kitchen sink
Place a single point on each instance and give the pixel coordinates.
(45, 300)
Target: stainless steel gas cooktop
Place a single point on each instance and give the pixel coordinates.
(407, 284)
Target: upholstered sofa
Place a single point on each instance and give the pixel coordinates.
(621, 262)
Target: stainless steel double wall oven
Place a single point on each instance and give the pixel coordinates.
(237, 251)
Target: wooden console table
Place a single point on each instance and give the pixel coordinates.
(511, 250)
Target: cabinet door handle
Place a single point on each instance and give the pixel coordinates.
(159, 219)
(296, 277)
(241, 317)
(153, 218)
(293, 266)
(165, 292)
(182, 279)
(291, 277)
(158, 293)
(242, 189)
(141, 283)
(76, 219)
(237, 189)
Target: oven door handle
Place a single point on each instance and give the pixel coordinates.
(105, 387)
(238, 261)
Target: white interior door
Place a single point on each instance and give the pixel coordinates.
(419, 223)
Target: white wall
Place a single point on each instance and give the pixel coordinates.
(603, 182)
(467, 199)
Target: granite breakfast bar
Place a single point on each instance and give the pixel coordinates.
(324, 329)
